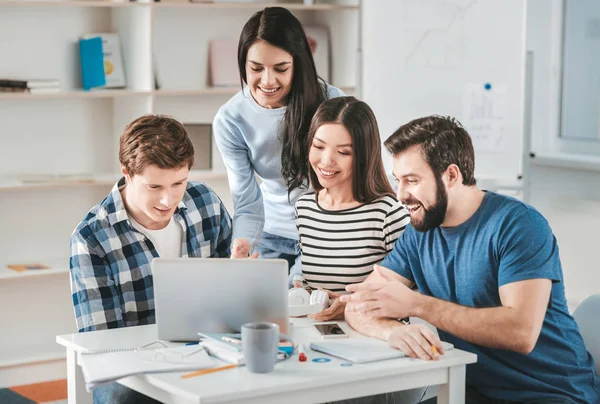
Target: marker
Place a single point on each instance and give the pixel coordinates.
(301, 353)
(434, 350)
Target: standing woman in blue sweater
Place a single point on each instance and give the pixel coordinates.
(262, 132)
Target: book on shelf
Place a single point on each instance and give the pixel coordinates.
(27, 267)
(12, 90)
(28, 83)
(201, 137)
(222, 63)
(101, 61)
(225, 1)
(22, 85)
(318, 40)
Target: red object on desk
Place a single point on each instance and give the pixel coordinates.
(301, 354)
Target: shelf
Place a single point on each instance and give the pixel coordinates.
(74, 94)
(175, 4)
(94, 180)
(199, 92)
(31, 354)
(80, 3)
(62, 268)
(202, 175)
(250, 5)
(213, 91)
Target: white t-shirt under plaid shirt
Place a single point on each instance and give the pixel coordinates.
(111, 277)
(340, 247)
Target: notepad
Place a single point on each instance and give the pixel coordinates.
(106, 367)
(362, 350)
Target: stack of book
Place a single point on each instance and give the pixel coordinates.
(33, 86)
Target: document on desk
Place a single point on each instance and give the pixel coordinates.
(99, 369)
(362, 350)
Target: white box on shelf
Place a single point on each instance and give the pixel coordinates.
(222, 57)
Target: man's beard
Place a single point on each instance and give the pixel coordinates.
(434, 215)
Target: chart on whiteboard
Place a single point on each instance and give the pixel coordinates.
(484, 116)
(428, 24)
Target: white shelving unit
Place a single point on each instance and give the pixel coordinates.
(72, 136)
(96, 180)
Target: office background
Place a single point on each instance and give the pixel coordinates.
(58, 153)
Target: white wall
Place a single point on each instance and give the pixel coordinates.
(570, 200)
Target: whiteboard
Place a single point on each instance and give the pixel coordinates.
(423, 57)
(581, 70)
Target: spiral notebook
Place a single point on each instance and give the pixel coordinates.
(103, 366)
(362, 350)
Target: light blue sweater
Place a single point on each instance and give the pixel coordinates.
(247, 137)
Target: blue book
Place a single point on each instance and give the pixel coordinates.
(92, 63)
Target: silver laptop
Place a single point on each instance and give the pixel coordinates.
(193, 295)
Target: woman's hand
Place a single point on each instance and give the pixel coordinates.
(334, 312)
(240, 248)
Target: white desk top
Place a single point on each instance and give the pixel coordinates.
(289, 376)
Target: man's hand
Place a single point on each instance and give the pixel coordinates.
(416, 341)
(334, 312)
(240, 248)
(387, 298)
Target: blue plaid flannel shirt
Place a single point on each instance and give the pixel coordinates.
(111, 281)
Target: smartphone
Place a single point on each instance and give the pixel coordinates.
(330, 330)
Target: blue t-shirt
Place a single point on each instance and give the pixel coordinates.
(505, 241)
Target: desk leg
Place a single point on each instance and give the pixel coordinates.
(75, 382)
(454, 391)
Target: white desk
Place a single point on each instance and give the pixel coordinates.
(291, 382)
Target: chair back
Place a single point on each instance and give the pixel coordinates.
(587, 316)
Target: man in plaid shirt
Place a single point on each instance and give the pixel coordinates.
(152, 211)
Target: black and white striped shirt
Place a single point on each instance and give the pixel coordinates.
(340, 247)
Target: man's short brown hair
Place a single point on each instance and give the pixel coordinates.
(443, 141)
(155, 139)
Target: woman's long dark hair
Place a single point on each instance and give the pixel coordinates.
(369, 181)
(280, 28)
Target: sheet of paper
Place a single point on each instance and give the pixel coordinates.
(484, 116)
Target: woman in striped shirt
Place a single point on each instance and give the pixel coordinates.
(352, 219)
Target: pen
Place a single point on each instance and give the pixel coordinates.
(207, 371)
(301, 353)
(231, 339)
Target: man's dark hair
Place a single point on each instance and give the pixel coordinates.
(443, 141)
